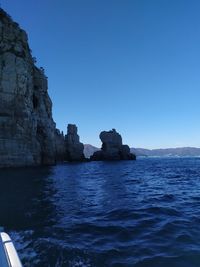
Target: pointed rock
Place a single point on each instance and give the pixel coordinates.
(73, 146)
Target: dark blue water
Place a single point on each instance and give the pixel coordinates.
(143, 213)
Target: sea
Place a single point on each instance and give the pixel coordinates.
(143, 213)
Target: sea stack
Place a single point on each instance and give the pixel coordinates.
(74, 149)
(27, 130)
(112, 148)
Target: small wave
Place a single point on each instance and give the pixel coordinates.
(24, 245)
(78, 262)
(99, 215)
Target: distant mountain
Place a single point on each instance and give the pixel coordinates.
(167, 152)
(89, 150)
(164, 152)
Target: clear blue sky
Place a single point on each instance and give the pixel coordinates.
(133, 65)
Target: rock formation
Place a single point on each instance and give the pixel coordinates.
(27, 130)
(28, 134)
(74, 149)
(112, 148)
(60, 146)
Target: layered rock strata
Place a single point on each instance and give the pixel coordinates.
(27, 130)
(74, 149)
(112, 148)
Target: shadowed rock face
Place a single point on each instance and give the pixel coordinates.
(74, 149)
(27, 130)
(60, 146)
(112, 148)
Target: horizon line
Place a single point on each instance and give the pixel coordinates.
(153, 148)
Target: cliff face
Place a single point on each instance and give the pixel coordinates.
(28, 134)
(27, 130)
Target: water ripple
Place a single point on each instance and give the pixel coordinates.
(143, 214)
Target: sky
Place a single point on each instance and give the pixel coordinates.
(132, 65)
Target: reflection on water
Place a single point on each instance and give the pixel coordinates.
(143, 213)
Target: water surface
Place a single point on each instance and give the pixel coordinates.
(142, 213)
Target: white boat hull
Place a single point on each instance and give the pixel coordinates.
(8, 253)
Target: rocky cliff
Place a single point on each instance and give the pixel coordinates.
(28, 134)
(112, 148)
(27, 130)
(74, 149)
